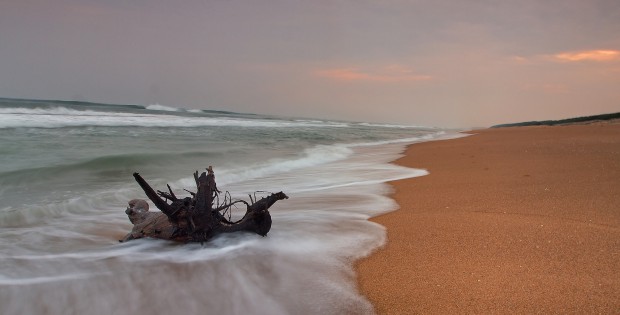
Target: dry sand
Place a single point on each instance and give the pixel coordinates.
(514, 220)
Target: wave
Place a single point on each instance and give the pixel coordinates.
(393, 126)
(60, 117)
(311, 157)
(324, 122)
(50, 279)
(111, 164)
(30, 102)
(58, 110)
(164, 108)
(427, 137)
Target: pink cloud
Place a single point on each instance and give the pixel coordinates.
(588, 55)
(393, 73)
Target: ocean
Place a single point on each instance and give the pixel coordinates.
(66, 177)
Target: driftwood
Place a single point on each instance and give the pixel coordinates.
(197, 218)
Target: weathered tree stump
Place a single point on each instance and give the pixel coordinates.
(197, 218)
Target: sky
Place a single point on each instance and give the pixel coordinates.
(433, 63)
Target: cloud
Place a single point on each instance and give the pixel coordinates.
(588, 55)
(389, 74)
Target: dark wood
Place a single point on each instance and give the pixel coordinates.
(197, 218)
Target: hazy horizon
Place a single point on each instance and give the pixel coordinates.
(431, 63)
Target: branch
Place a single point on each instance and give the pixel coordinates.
(167, 196)
(196, 178)
(171, 192)
(220, 208)
(266, 202)
(159, 203)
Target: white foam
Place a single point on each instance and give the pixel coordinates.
(59, 117)
(164, 108)
(391, 126)
(39, 280)
(54, 111)
(319, 156)
(311, 157)
(323, 122)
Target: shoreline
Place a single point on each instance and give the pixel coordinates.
(521, 219)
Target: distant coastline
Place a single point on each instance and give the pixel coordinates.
(584, 119)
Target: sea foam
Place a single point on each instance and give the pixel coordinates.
(60, 117)
(164, 108)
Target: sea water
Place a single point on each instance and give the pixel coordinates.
(66, 176)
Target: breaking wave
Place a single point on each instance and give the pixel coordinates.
(59, 117)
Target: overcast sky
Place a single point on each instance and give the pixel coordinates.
(439, 63)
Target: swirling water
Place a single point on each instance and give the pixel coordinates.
(65, 179)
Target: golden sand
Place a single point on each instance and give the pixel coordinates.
(513, 220)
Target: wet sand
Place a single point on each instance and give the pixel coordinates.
(511, 220)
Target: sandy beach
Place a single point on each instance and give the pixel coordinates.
(511, 220)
